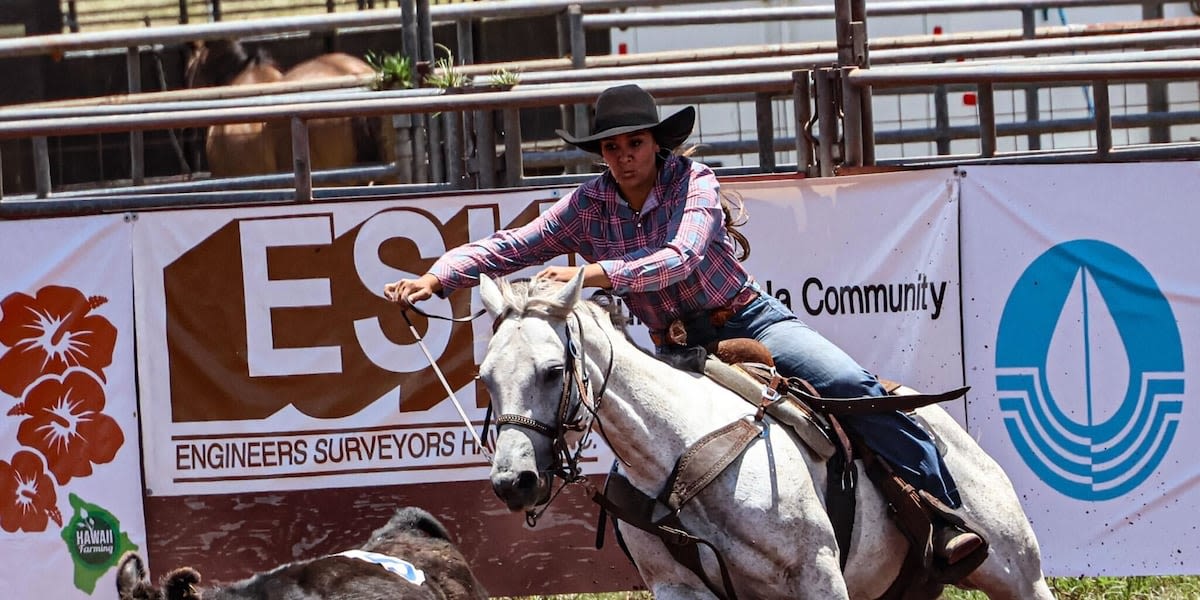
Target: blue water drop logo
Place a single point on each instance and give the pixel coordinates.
(1089, 370)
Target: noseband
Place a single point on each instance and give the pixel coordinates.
(568, 417)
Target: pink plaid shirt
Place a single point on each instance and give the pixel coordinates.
(672, 259)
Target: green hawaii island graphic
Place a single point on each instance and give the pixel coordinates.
(95, 541)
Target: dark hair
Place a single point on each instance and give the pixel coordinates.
(735, 216)
(732, 205)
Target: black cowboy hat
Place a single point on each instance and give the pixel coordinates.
(628, 108)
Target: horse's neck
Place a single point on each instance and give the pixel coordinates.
(651, 412)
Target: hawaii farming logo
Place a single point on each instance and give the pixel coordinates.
(55, 350)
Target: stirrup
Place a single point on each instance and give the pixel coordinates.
(952, 544)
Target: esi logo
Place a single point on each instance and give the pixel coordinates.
(1089, 370)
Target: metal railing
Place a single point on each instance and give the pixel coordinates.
(985, 78)
(550, 83)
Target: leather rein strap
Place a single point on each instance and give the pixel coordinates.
(698, 467)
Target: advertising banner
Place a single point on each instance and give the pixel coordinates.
(871, 262)
(1080, 332)
(70, 482)
(270, 360)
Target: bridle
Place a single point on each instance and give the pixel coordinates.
(573, 415)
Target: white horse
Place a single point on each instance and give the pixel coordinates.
(765, 514)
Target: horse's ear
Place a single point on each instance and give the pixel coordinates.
(571, 291)
(493, 298)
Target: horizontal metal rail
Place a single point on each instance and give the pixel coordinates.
(1006, 73)
(920, 54)
(516, 98)
(878, 44)
(174, 34)
(800, 13)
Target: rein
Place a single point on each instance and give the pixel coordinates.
(441, 377)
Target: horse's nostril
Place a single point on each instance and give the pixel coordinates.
(527, 480)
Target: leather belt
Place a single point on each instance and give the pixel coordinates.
(717, 317)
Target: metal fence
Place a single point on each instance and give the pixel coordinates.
(808, 116)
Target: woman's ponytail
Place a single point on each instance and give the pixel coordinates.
(735, 216)
(735, 213)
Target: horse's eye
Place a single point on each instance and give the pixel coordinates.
(553, 374)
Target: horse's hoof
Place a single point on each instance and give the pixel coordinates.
(953, 544)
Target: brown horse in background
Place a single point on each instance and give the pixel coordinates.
(236, 148)
(257, 148)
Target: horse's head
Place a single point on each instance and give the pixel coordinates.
(536, 376)
(220, 62)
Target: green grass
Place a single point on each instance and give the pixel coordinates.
(1064, 588)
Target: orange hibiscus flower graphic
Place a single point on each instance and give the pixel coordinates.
(50, 333)
(66, 424)
(27, 496)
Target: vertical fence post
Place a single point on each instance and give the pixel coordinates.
(765, 124)
(408, 30)
(402, 144)
(183, 12)
(1032, 103)
(425, 30)
(464, 33)
(301, 161)
(41, 167)
(73, 17)
(852, 120)
(858, 29)
(941, 118)
(514, 167)
(137, 155)
(987, 120)
(801, 97)
(1104, 141)
(454, 147)
(565, 42)
(1156, 91)
(485, 147)
(411, 47)
(826, 122)
(578, 61)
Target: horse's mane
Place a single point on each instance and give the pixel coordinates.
(538, 296)
(526, 296)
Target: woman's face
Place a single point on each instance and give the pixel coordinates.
(630, 158)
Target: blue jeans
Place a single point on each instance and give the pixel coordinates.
(799, 351)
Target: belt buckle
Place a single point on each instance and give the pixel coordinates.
(719, 316)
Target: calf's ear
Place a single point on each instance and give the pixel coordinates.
(130, 573)
(181, 584)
